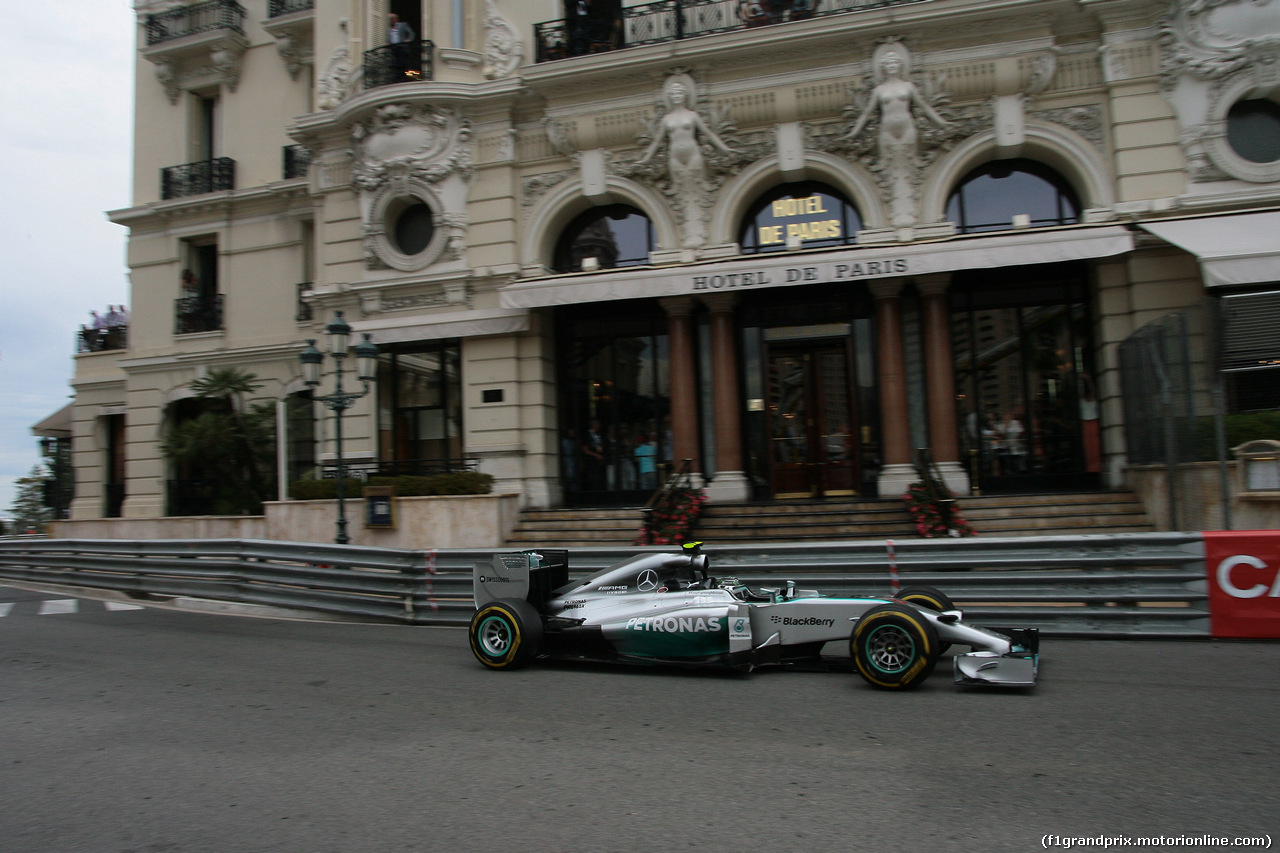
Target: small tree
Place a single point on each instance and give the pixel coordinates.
(29, 510)
(229, 446)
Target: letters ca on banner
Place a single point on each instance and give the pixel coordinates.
(1244, 583)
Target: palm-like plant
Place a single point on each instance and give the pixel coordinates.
(228, 445)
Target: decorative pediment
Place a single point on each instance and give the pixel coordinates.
(411, 141)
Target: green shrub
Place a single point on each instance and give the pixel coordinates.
(456, 483)
(1247, 426)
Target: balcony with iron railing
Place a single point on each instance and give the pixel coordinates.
(198, 18)
(203, 176)
(102, 339)
(195, 314)
(398, 63)
(673, 20)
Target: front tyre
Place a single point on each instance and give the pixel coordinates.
(506, 634)
(929, 598)
(894, 647)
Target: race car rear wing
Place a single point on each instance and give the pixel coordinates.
(530, 575)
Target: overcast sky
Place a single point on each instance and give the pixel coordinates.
(67, 103)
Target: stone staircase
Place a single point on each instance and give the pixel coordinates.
(810, 521)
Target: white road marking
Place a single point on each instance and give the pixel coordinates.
(5, 607)
(59, 605)
(121, 605)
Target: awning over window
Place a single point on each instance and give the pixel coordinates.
(435, 327)
(1007, 249)
(1237, 249)
(57, 425)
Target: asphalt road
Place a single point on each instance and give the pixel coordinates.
(155, 731)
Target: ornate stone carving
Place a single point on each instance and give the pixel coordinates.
(406, 156)
(697, 155)
(332, 87)
(1234, 46)
(533, 187)
(419, 142)
(503, 49)
(904, 118)
(1085, 121)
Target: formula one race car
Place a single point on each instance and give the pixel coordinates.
(666, 608)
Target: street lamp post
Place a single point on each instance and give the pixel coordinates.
(337, 335)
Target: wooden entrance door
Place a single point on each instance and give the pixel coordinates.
(811, 423)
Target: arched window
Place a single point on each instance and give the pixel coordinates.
(805, 215)
(616, 235)
(989, 197)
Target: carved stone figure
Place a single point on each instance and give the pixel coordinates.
(895, 100)
(503, 49)
(331, 88)
(685, 132)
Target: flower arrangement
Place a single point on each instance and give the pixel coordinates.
(932, 517)
(671, 521)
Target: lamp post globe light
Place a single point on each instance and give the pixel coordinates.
(337, 338)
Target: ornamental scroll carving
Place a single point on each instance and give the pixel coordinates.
(406, 156)
(1233, 46)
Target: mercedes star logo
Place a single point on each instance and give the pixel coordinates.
(648, 581)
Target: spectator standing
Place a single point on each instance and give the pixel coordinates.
(400, 36)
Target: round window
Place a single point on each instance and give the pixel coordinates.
(413, 228)
(1253, 130)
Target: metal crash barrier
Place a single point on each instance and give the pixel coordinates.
(1150, 585)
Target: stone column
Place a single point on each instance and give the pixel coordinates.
(684, 383)
(896, 472)
(729, 482)
(940, 383)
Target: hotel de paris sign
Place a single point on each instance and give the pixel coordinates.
(847, 264)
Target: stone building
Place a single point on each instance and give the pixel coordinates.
(791, 244)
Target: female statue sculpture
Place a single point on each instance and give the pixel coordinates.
(684, 131)
(894, 98)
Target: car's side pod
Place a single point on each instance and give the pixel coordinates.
(529, 575)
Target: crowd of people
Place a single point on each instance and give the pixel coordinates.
(603, 461)
(105, 331)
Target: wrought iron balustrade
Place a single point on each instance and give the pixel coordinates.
(194, 314)
(276, 8)
(101, 340)
(672, 20)
(194, 19)
(398, 63)
(297, 161)
(204, 176)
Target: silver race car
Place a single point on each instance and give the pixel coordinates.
(667, 608)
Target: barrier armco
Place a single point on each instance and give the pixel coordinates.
(1119, 585)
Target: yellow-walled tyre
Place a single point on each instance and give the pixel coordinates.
(506, 634)
(926, 596)
(894, 647)
(929, 598)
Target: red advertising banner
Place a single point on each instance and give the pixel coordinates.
(1244, 582)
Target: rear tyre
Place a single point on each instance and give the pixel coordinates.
(894, 647)
(929, 598)
(506, 634)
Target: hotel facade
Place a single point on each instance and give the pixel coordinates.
(790, 242)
